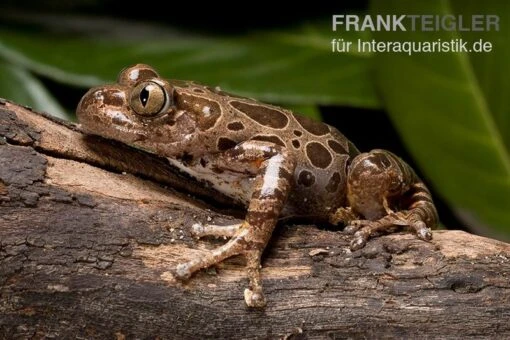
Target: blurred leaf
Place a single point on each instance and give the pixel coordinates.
(20, 86)
(452, 109)
(306, 110)
(291, 67)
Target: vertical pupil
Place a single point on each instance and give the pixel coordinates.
(144, 96)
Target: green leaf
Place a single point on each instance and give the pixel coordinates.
(293, 67)
(452, 109)
(306, 110)
(21, 87)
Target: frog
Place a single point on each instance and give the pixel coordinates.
(274, 162)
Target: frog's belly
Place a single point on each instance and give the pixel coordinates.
(234, 185)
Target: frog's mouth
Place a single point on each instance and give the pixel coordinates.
(120, 133)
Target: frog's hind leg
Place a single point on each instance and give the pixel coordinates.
(272, 167)
(385, 191)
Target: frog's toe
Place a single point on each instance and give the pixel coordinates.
(254, 299)
(200, 230)
(235, 246)
(365, 229)
(359, 241)
(356, 225)
(197, 230)
(182, 271)
(351, 229)
(422, 231)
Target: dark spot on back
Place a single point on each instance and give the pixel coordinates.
(273, 139)
(312, 126)
(337, 147)
(333, 182)
(225, 143)
(235, 126)
(204, 121)
(263, 115)
(298, 133)
(295, 143)
(318, 155)
(197, 90)
(306, 178)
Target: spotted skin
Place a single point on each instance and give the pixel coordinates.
(274, 162)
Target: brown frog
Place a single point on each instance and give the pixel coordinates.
(276, 163)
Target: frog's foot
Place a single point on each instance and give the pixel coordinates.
(364, 229)
(200, 230)
(240, 244)
(254, 296)
(233, 247)
(380, 183)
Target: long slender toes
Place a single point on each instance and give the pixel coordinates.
(233, 247)
(200, 230)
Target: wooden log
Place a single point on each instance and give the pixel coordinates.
(89, 230)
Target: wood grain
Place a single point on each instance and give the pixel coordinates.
(89, 230)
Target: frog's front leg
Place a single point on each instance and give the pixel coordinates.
(383, 192)
(272, 167)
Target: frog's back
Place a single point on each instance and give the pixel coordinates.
(321, 152)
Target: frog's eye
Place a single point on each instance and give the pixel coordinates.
(148, 99)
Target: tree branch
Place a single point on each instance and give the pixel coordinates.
(89, 232)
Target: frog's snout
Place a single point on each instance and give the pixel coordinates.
(85, 104)
(102, 105)
(101, 98)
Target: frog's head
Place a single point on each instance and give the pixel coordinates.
(129, 110)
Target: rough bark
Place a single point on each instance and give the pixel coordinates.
(89, 230)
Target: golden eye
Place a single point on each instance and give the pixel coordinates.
(148, 99)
